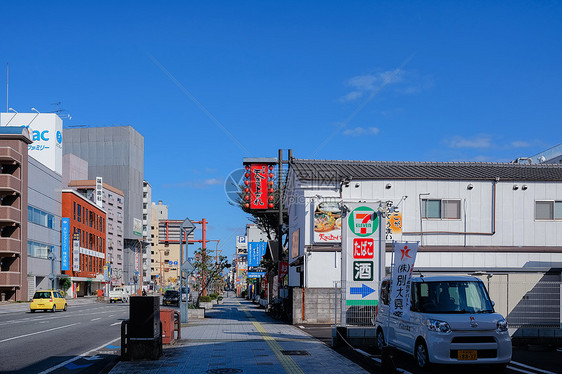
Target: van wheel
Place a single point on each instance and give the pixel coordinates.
(64, 308)
(380, 340)
(54, 309)
(422, 357)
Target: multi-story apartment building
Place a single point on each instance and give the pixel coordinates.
(42, 197)
(112, 201)
(501, 222)
(165, 255)
(146, 231)
(117, 155)
(85, 256)
(13, 182)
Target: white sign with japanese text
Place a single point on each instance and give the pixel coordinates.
(362, 253)
(404, 258)
(99, 191)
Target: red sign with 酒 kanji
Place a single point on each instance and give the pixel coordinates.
(258, 186)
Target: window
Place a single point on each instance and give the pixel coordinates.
(39, 250)
(41, 218)
(548, 210)
(79, 213)
(441, 209)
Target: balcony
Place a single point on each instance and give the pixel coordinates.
(10, 214)
(10, 245)
(10, 183)
(10, 154)
(10, 279)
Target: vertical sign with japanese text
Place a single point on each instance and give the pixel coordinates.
(258, 186)
(99, 191)
(256, 250)
(404, 258)
(76, 252)
(362, 254)
(65, 244)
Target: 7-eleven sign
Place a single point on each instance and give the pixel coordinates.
(363, 221)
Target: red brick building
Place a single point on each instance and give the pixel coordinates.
(87, 233)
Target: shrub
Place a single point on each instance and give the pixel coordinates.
(213, 296)
(204, 299)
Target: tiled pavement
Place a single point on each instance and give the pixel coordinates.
(238, 337)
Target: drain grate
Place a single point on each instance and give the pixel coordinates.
(224, 371)
(295, 353)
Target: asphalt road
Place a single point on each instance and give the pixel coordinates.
(84, 339)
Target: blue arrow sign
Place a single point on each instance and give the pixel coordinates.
(364, 290)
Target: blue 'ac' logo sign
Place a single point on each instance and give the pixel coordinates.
(36, 135)
(59, 137)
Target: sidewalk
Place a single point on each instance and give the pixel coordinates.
(237, 337)
(11, 307)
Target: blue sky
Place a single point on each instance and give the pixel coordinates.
(209, 83)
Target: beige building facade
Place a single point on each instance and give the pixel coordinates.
(165, 255)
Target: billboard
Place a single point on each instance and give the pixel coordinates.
(256, 250)
(46, 132)
(327, 223)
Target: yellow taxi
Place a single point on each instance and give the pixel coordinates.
(47, 300)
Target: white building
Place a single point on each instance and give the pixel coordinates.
(502, 222)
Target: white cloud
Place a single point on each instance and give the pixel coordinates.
(353, 95)
(359, 131)
(199, 184)
(213, 181)
(520, 144)
(480, 141)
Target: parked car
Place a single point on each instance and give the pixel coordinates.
(171, 297)
(452, 321)
(47, 300)
(118, 294)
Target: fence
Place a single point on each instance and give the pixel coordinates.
(358, 310)
(528, 304)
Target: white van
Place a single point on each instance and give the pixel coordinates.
(452, 321)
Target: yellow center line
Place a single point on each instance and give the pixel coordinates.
(290, 366)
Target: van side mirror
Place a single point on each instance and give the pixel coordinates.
(493, 304)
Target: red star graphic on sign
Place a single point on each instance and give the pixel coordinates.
(405, 252)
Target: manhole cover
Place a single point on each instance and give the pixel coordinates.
(295, 353)
(225, 371)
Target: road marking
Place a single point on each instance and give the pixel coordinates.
(531, 367)
(116, 323)
(95, 319)
(77, 357)
(520, 370)
(38, 332)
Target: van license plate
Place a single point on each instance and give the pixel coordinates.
(467, 355)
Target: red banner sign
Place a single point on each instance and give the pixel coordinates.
(283, 269)
(258, 186)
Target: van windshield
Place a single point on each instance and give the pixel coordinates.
(451, 297)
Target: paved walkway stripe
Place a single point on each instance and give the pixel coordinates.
(290, 366)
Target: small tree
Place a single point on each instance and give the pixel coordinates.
(65, 283)
(208, 269)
